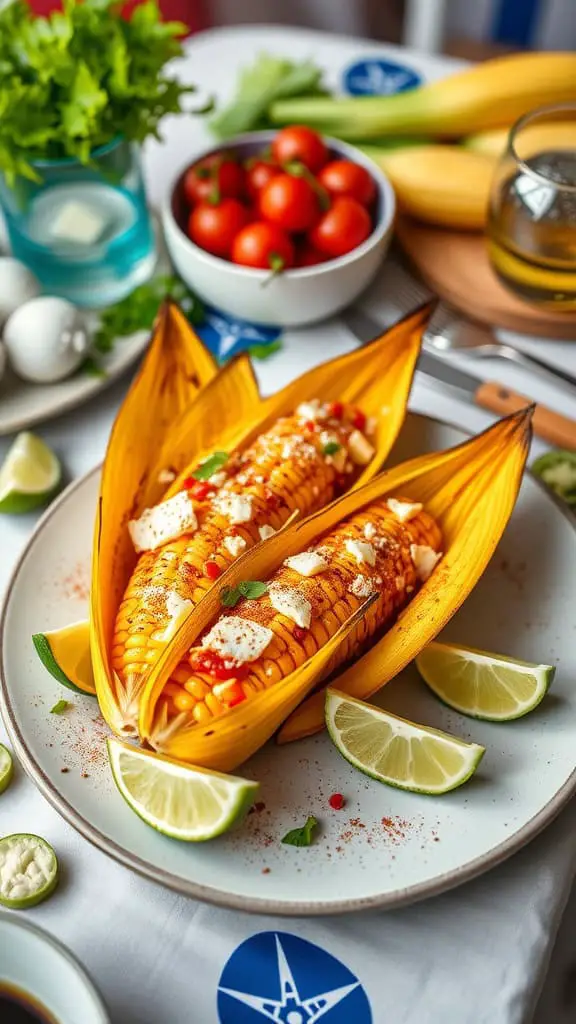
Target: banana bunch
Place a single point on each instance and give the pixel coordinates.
(439, 182)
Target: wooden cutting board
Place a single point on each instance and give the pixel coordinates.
(455, 265)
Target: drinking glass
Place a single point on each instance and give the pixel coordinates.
(532, 216)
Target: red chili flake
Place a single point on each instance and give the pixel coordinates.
(336, 409)
(299, 633)
(200, 489)
(212, 570)
(336, 801)
(359, 419)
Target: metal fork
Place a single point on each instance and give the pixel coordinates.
(451, 331)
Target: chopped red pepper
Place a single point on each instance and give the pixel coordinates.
(230, 693)
(299, 634)
(212, 570)
(337, 801)
(188, 483)
(336, 410)
(213, 665)
(200, 489)
(359, 420)
(310, 425)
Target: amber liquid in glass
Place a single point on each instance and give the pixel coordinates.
(532, 232)
(18, 1007)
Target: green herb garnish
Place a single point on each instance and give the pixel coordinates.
(138, 310)
(80, 78)
(229, 596)
(265, 351)
(331, 448)
(210, 465)
(60, 707)
(301, 836)
(92, 367)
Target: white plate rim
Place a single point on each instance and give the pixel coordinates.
(255, 905)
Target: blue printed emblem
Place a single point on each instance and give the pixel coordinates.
(225, 335)
(279, 977)
(376, 77)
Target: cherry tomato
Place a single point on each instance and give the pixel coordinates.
(345, 225)
(302, 144)
(290, 202)
(214, 226)
(258, 174)
(308, 256)
(344, 178)
(263, 245)
(212, 179)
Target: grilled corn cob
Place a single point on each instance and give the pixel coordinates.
(301, 463)
(388, 549)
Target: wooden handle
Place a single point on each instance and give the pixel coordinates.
(550, 426)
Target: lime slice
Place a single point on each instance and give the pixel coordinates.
(183, 802)
(483, 685)
(29, 475)
(28, 871)
(65, 653)
(395, 751)
(6, 768)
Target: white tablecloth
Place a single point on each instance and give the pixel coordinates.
(476, 955)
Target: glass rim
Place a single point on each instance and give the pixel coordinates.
(70, 161)
(522, 122)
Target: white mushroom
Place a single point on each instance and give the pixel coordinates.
(17, 286)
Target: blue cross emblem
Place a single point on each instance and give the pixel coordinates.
(276, 976)
(225, 335)
(377, 77)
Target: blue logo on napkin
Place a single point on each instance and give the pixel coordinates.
(225, 336)
(277, 976)
(376, 77)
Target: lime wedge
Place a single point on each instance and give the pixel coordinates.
(65, 653)
(6, 768)
(28, 871)
(483, 685)
(180, 801)
(395, 751)
(29, 475)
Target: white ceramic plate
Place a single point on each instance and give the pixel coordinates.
(386, 847)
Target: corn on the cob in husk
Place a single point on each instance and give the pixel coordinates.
(467, 494)
(153, 593)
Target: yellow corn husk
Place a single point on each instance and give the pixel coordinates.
(227, 415)
(469, 490)
(534, 139)
(444, 185)
(487, 95)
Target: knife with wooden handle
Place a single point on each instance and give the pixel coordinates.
(551, 426)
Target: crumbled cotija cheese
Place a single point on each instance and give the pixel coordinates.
(369, 531)
(361, 586)
(307, 563)
(424, 559)
(235, 545)
(361, 551)
(404, 510)
(360, 449)
(177, 608)
(238, 639)
(266, 531)
(166, 476)
(162, 523)
(311, 410)
(217, 479)
(235, 507)
(290, 602)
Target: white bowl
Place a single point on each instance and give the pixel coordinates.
(294, 297)
(36, 963)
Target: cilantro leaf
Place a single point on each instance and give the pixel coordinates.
(252, 588)
(60, 707)
(301, 836)
(266, 350)
(138, 310)
(331, 448)
(229, 596)
(210, 465)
